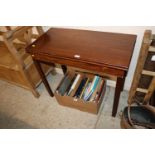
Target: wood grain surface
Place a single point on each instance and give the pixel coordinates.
(108, 49)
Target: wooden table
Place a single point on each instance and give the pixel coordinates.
(102, 52)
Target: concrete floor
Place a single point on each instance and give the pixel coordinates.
(20, 109)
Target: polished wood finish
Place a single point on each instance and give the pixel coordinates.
(90, 50)
(64, 69)
(119, 88)
(99, 48)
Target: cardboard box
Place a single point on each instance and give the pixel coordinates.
(70, 101)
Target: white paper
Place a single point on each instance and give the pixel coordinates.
(153, 58)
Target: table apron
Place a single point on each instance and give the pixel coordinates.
(82, 65)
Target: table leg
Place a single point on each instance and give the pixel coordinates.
(118, 90)
(64, 69)
(43, 77)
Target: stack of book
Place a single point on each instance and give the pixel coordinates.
(86, 88)
(68, 84)
(93, 90)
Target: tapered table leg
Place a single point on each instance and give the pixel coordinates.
(43, 77)
(64, 69)
(118, 90)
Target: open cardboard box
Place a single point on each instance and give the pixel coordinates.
(70, 101)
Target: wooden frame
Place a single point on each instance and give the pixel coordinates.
(99, 52)
(14, 44)
(139, 71)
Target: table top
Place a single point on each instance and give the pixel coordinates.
(104, 48)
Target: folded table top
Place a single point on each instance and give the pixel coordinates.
(104, 48)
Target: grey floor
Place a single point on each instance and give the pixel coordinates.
(20, 109)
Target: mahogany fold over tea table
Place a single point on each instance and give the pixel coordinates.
(103, 53)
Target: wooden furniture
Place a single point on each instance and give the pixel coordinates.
(16, 66)
(104, 53)
(143, 84)
(152, 100)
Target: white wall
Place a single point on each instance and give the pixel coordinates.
(138, 30)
